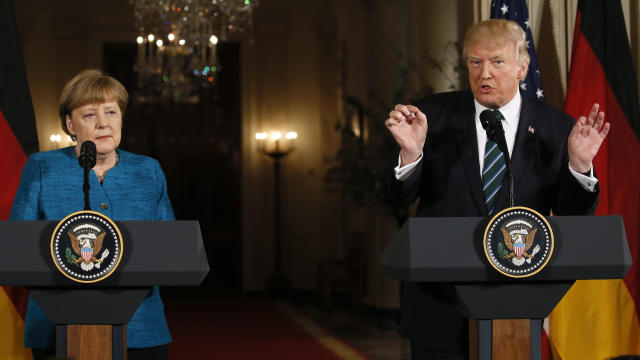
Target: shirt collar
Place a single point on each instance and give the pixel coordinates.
(511, 110)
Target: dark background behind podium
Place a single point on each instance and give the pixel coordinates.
(198, 146)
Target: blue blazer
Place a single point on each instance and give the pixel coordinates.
(135, 189)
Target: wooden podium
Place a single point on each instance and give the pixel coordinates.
(586, 247)
(90, 318)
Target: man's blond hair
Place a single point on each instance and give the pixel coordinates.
(497, 32)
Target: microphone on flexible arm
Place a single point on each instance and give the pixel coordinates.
(493, 126)
(87, 160)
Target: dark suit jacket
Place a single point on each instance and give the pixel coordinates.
(449, 184)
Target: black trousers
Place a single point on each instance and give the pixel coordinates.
(151, 353)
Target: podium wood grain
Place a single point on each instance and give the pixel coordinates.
(89, 342)
(511, 339)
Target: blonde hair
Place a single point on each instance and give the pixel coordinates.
(90, 87)
(498, 32)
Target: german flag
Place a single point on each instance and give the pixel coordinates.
(599, 319)
(18, 138)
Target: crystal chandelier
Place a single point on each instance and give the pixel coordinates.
(177, 44)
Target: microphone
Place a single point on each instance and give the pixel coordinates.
(493, 126)
(495, 132)
(87, 160)
(87, 157)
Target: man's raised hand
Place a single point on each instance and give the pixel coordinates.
(408, 125)
(585, 139)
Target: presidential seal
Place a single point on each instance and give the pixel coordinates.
(86, 246)
(518, 242)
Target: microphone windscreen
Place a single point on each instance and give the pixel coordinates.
(87, 155)
(492, 126)
(487, 118)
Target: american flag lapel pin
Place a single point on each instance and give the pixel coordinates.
(531, 130)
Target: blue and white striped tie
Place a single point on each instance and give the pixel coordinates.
(493, 172)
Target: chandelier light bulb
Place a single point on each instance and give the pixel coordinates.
(291, 135)
(176, 32)
(276, 135)
(261, 136)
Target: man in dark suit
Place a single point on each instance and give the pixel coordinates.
(455, 171)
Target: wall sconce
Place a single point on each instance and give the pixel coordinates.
(55, 140)
(277, 146)
(59, 141)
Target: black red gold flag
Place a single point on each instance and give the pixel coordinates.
(599, 319)
(18, 138)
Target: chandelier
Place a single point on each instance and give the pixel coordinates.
(177, 42)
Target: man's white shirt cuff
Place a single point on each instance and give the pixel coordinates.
(402, 173)
(587, 182)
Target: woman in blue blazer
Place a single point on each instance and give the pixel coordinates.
(124, 186)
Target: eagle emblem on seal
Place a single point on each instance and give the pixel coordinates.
(518, 242)
(519, 239)
(86, 246)
(86, 241)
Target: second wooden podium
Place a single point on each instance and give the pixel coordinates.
(587, 247)
(90, 318)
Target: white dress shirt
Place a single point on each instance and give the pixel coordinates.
(511, 112)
